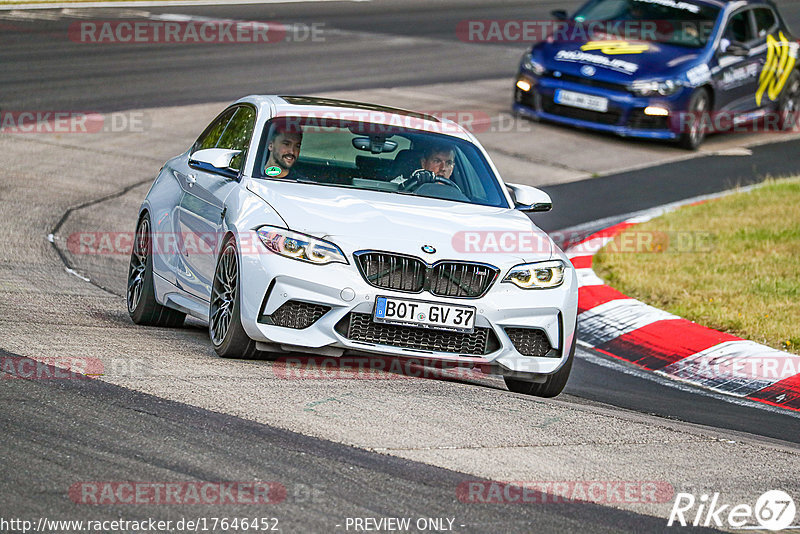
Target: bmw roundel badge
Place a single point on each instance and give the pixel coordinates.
(428, 249)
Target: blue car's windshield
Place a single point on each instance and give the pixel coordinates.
(377, 157)
(679, 22)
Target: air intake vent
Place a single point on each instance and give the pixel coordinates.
(296, 314)
(360, 327)
(531, 342)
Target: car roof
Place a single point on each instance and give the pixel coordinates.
(734, 3)
(318, 107)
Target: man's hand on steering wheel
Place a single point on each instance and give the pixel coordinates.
(422, 176)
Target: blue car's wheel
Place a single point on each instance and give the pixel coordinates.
(789, 103)
(695, 131)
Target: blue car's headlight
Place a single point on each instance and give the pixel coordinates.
(529, 64)
(656, 88)
(539, 275)
(300, 246)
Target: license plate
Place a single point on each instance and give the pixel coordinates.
(580, 100)
(424, 314)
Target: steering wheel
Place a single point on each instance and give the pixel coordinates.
(421, 177)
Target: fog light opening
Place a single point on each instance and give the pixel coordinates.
(656, 111)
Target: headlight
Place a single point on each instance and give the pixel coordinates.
(654, 87)
(534, 66)
(300, 246)
(540, 275)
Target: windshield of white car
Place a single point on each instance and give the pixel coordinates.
(378, 157)
(677, 22)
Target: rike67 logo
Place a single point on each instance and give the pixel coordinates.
(774, 510)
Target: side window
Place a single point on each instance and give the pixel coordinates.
(739, 29)
(238, 133)
(467, 176)
(605, 10)
(211, 135)
(765, 21)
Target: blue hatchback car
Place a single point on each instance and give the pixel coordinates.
(664, 69)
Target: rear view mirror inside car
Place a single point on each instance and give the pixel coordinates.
(374, 144)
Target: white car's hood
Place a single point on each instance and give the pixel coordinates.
(359, 220)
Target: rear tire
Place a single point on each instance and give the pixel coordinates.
(552, 386)
(224, 318)
(140, 295)
(789, 103)
(699, 117)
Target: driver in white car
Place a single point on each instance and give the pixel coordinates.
(436, 167)
(440, 160)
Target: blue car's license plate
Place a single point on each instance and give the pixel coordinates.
(581, 100)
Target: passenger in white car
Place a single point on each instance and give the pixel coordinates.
(284, 149)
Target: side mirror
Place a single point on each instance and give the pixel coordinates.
(527, 198)
(560, 14)
(738, 49)
(219, 158)
(733, 48)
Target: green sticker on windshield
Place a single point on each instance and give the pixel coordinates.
(273, 171)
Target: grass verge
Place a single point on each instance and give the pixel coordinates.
(732, 264)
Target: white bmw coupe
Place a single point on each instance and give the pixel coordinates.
(333, 227)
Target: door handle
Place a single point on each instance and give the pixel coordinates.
(191, 179)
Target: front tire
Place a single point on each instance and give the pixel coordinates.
(789, 103)
(224, 316)
(699, 104)
(140, 295)
(552, 386)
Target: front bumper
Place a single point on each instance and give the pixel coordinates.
(625, 116)
(269, 281)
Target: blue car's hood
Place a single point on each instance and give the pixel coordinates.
(659, 60)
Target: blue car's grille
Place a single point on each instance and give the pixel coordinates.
(592, 82)
(612, 116)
